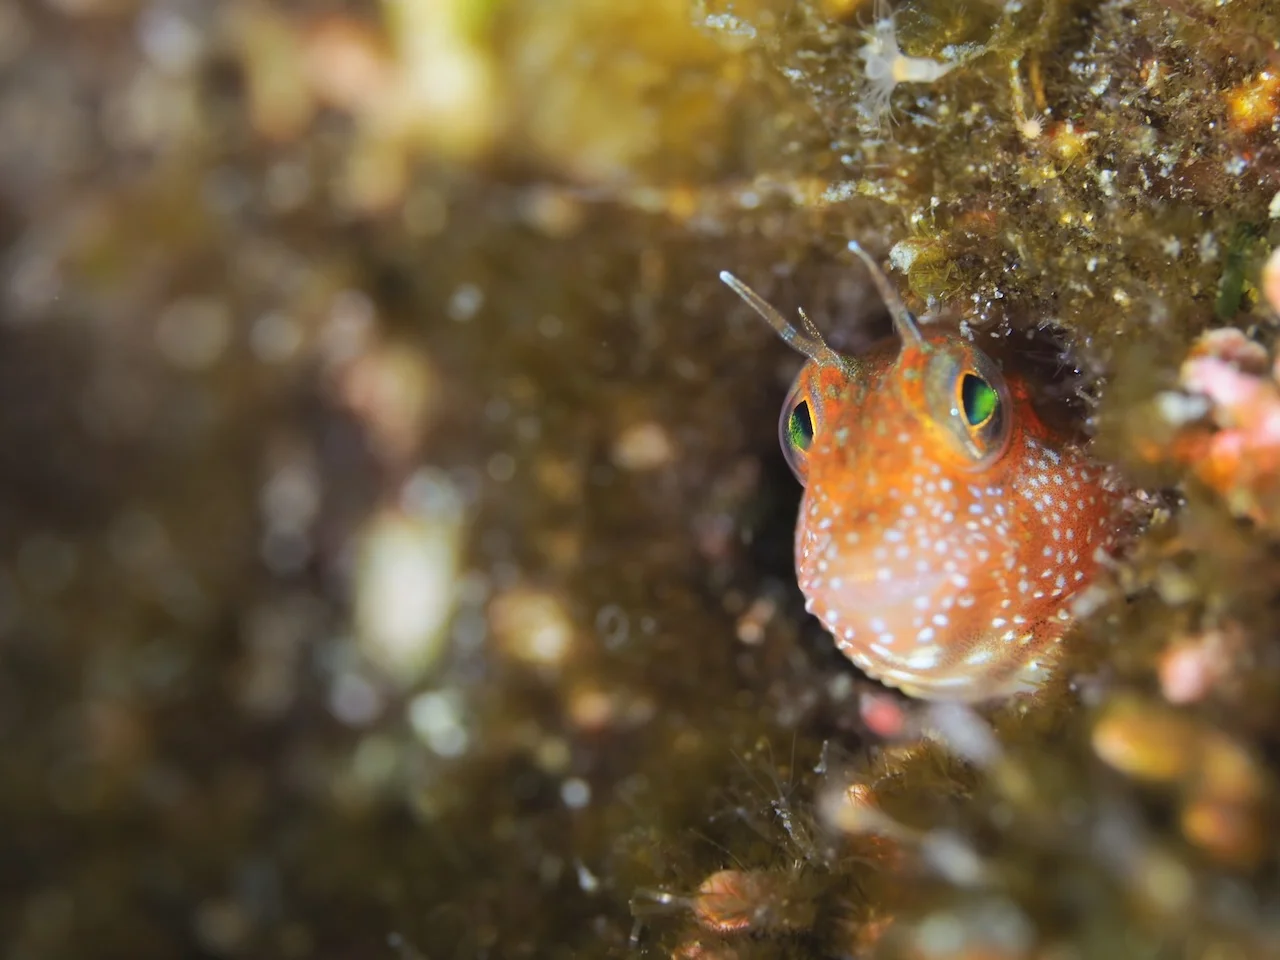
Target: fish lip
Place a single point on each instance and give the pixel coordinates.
(867, 592)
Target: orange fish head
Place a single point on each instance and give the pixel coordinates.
(925, 543)
(906, 512)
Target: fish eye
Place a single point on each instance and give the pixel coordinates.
(978, 400)
(800, 427)
(968, 398)
(797, 427)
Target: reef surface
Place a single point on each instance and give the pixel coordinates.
(398, 548)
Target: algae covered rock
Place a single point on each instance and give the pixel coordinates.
(398, 554)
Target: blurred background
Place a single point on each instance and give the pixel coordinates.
(396, 553)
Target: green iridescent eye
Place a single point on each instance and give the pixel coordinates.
(965, 395)
(799, 419)
(979, 400)
(800, 427)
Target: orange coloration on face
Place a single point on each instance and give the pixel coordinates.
(944, 528)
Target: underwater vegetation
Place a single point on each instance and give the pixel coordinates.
(400, 549)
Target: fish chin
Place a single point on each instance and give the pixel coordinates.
(872, 589)
(873, 605)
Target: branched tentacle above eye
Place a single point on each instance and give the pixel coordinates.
(809, 343)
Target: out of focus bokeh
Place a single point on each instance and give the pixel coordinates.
(397, 550)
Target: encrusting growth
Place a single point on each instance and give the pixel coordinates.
(885, 65)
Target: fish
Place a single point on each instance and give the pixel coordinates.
(944, 528)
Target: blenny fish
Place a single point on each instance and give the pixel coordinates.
(944, 527)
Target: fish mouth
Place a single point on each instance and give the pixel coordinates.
(865, 590)
(895, 590)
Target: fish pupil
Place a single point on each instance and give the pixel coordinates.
(979, 399)
(800, 426)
